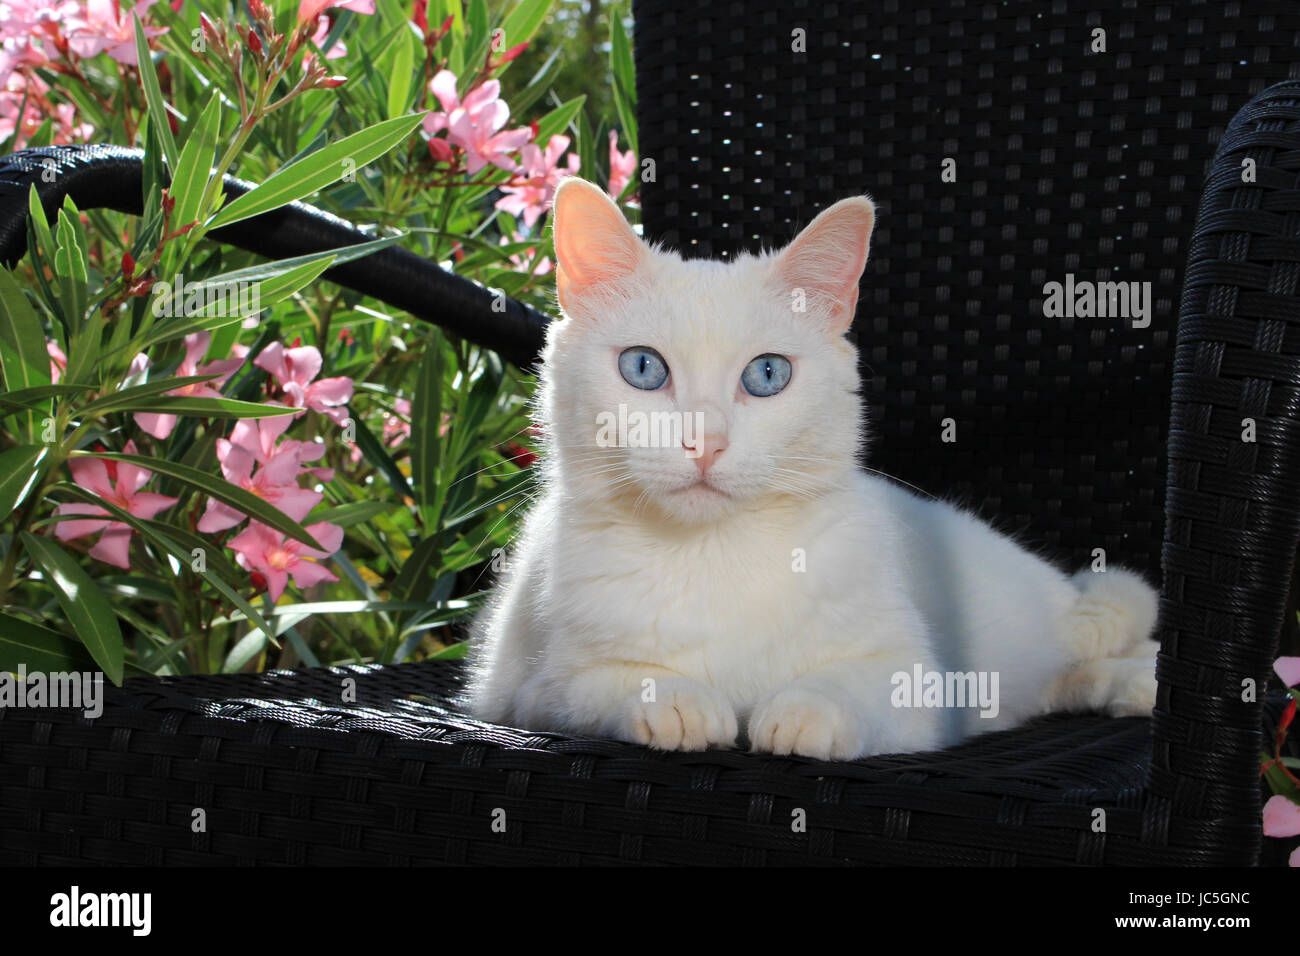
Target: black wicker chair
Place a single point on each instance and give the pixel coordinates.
(1067, 161)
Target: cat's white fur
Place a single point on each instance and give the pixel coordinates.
(775, 598)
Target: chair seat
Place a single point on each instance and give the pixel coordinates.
(285, 772)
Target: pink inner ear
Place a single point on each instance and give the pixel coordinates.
(593, 242)
(826, 259)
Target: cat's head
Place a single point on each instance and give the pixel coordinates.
(690, 390)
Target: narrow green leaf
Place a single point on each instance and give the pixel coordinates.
(194, 168)
(557, 120)
(320, 169)
(24, 644)
(354, 512)
(20, 470)
(24, 361)
(375, 453)
(456, 652)
(426, 418)
(218, 488)
(399, 83)
(415, 581)
(195, 407)
(87, 609)
(137, 392)
(621, 64)
(36, 212)
(523, 20)
(153, 96)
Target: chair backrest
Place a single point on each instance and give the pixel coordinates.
(1007, 146)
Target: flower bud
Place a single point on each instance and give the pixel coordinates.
(440, 150)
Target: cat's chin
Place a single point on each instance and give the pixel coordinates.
(696, 503)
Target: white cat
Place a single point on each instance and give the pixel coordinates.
(745, 575)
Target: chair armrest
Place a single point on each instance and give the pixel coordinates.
(1232, 511)
(112, 177)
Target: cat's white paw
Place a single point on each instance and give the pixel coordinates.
(1118, 686)
(799, 720)
(1114, 614)
(684, 715)
(1133, 687)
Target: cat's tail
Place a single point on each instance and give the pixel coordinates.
(1107, 637)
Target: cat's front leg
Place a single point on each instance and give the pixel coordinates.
(844, 711)
(646, 704)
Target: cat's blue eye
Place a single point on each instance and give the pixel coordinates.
(643, 367)
(766, 375)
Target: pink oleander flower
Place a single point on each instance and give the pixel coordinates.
(543, 174)
(18, 53)
(30, 89)
(309, 10)
(261, 438)
(105, 26)
(58, 361)
(323, 27)
(118, 482)
(397, 424)
(622, 166)
(266, 552)
(293, 369)
(474, 123)
(275, 481)
(196, 347)
(1288, 668)
(1281, 816)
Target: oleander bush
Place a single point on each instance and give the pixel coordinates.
(210, 462)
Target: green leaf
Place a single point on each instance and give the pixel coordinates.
(218, 488)
(399, 84)
(36, 212)
(27, 399)
(153, 96)
(354, 512)
(282, 267)
(558, 119)
(41, 250)
(426, 443)
(375, 453)
(621, 64)
(148, 389)
(87, 609)
(20, 470)
(195, 407)
(24, 362)
(456, 652)
(415, 581)
(23, 643)
(194, 168)
(523, 21)
(323, 167)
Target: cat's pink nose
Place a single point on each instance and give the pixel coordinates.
(706, 450)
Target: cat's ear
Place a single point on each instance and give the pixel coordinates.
(819, 272)
(594, 245)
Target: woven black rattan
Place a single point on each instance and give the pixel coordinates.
(1067, 161)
